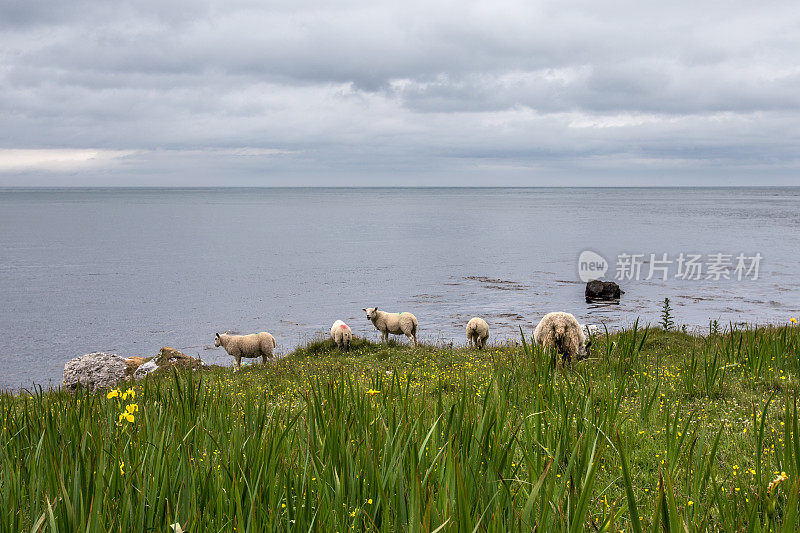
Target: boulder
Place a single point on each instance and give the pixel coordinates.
(603, 291)
(95, 370)
(134, 363)
(168, 357)
(171, 357)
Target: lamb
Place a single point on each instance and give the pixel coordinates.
(394, 323)
(253, 345)
(562, 332)
(477, 332)
(341, 335)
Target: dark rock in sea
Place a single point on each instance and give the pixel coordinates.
(94, 370)
(602, 291)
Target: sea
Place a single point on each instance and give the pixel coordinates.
(130, 270)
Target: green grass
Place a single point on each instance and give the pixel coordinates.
(657, 431)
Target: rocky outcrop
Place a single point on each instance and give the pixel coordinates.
(171, 357)
(134, 363)
(602, 291)
(95, 371)
(168, 357)
(105, 370)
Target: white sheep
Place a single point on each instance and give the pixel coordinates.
(253, 345)
(394, 323)
(341, 335)
(562, 332)
(477, 332)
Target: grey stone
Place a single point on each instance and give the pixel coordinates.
(94, 370)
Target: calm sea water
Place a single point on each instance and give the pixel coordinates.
(132, 270)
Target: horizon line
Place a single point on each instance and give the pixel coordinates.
(387, 187)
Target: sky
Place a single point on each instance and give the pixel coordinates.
(372, 93)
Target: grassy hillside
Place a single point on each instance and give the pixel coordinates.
(657, 429)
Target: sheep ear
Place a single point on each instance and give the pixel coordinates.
(216, 335)
(376, 309)
(363, 308)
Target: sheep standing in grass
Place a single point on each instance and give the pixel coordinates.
(394, 323)
(341, 335)
(253, 345)
(563, 333)
(477, 332)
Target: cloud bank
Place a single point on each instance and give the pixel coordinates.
(387, 93)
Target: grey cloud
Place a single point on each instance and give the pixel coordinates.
(369, 87)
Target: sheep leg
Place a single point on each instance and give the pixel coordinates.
(263, 359)
(238, 359)
(385, 335)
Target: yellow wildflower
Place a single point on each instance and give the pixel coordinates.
(113, 394)
(793, 320)
(373, 392)
(132, 407)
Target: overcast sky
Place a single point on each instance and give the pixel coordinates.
(363, 92)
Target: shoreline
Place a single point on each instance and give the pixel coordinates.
(441, 344)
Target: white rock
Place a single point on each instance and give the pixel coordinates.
(145, 369)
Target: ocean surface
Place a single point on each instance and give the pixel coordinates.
(131, 270)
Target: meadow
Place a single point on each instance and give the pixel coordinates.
(656, 431)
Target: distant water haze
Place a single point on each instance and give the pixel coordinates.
(131, 270)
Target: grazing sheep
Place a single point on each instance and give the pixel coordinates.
(394, 323)
(341, 335)
(477, 332)
(561, 331)
(253, 345)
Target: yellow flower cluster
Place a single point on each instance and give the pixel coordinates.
(127, 414)
(116, 393)
(131, 408)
